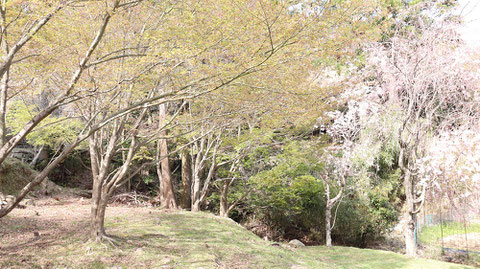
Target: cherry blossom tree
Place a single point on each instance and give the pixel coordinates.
(451, 166)
(418, 85)
(422, 74)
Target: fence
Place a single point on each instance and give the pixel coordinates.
(451, 226)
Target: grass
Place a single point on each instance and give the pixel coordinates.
(453, 232)
(159, 239)
(432, 234)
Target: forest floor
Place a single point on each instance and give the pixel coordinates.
(54, 234)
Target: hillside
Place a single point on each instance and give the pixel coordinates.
(54, 234)
(15, 174)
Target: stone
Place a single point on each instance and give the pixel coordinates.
(296, 243)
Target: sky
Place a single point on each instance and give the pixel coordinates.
(470, 10)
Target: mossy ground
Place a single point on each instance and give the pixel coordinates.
(14, 175)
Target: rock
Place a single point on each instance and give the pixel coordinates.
(296, 243)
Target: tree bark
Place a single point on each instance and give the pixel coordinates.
(186, 179)
(328, 226)
(5, 78)
(3, 108)
(197, 173)
(165, 175)
(196, 192)
(341, 183)
(409, 216)
(409, 231)
(98, 217)
(224, 210)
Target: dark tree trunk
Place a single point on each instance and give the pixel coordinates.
(186, 179)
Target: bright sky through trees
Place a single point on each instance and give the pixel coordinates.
(470, 9)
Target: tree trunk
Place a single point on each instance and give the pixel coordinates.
(98, 217)
(186, 179)
(3, 109)
(36, 157)
(224, 210)
(5, 77)
(167, 195)
(196, 193)
(328, 226)
(196, 206)
(409, 231)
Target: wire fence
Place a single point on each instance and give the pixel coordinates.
(451, 226)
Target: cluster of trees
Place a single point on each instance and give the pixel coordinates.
(232, 89)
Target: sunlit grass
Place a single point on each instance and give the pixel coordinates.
(198, 240)
(433, 234)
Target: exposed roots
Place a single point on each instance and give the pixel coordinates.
(104, 238)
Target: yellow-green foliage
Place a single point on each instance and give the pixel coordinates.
(52, 131)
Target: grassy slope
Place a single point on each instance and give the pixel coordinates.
(155, 239)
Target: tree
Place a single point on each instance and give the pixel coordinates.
(167, 196)
(421, 75)
(334, 176)
(450, 166)
(66, 95)
(186, 167)
(13, 40)
(185, 64)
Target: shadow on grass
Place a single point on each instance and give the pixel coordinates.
(20, 233)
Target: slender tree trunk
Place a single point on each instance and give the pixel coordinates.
(186, 179)
(37, 156)
(167, 194)
(5, 77)
(196, 192)
(3, 108)
(224, 208)
(328, 225)
(97, 224)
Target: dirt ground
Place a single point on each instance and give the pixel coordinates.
(47, 222)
